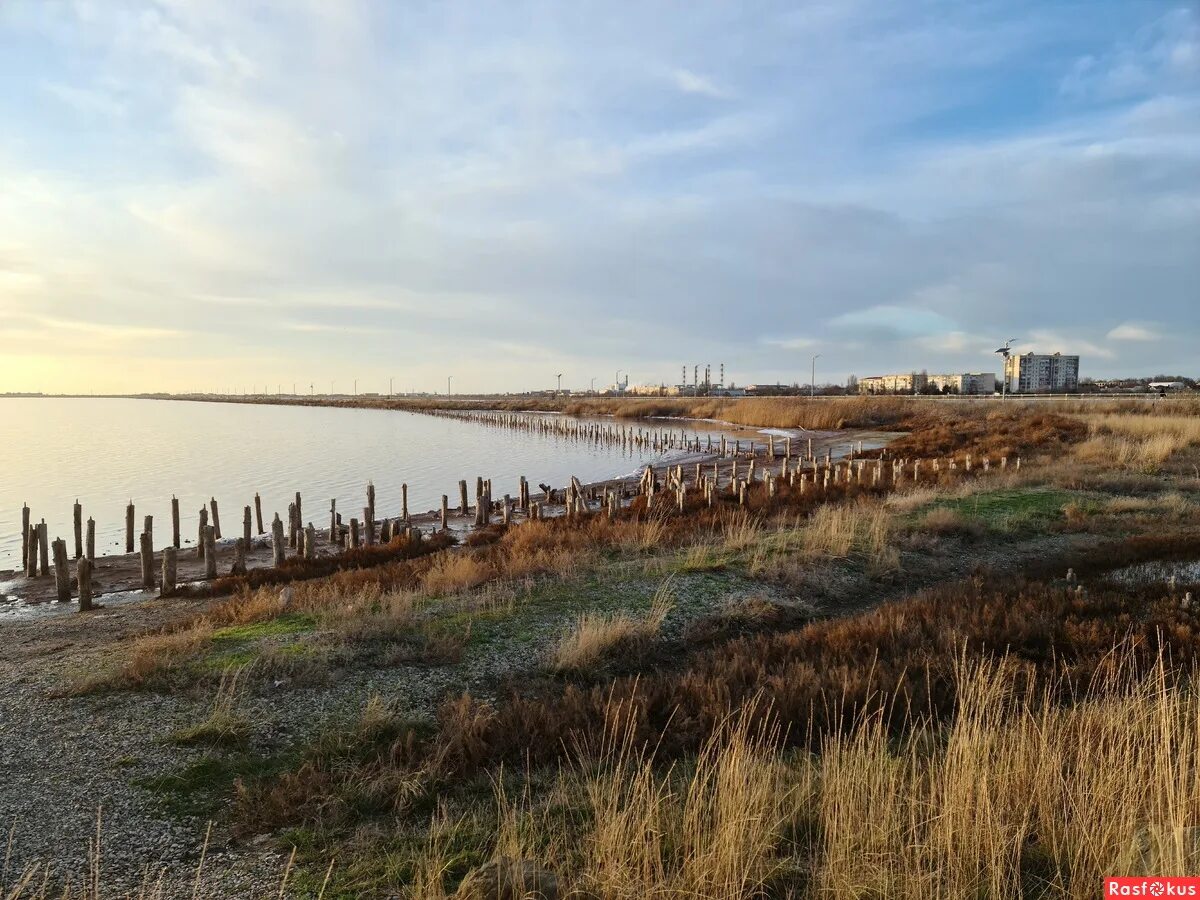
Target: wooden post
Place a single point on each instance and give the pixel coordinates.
(200, 533)
(246, 526)
(462, 497)
(239, 556)
(445, 512)
(370, 510)
(293, 528)
(31, 555)
(404, 502)
(278, 547)
(148, 526)
(170, 570)
(175, 542)
(78, 529)
(62, 575)
(310, 542)
(210, 552)
(90, 550)
(354, 537)
(83, 572)
(299, 512)
(147, 550)
(369, 527)
(216, 518)
(129, 527)
(333, 522)
(258, 513)
(25, 537)
(44, 547)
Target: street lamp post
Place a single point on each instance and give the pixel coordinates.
(1005, 352)
(559, 383)
(448, 377)
(812, 385)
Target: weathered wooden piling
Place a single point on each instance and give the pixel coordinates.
(279, 549)
(147, 554)
(83, 574)
(31, 555)
(216, 517)
(462, 497)
(239, 556)
(293, 527)
(148, 526)
(90, 550)
(370, 510)
(258, 513)
(129, 527)
(310, 542)
(170, 571)
(175, 541)
(210, 552)
(200, 533)
(44, 547)
(354, 535)
(78, 529)
(62, 575)
(369, 528)
(25, 536)
(404, 502)
(246, 535)
(445, 512)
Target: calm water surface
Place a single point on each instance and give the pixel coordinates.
(108, 452)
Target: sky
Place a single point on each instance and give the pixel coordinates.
(235, 196)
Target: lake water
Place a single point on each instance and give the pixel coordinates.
(108, 452)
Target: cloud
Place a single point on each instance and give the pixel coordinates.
(1162, 53)
(1134, 331)
(693, 83)
(896, 322)
(792, 343)
(896, 189)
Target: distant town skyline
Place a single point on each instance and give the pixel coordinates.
(212, 195)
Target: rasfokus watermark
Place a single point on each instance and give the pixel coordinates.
(1152, 886)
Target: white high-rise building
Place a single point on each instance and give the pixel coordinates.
(1041, 373)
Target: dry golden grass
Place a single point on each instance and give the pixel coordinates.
(452, 572)
(224, 725)
(1141, 442)
(1015, 796)
(838, 530)
(597, 635)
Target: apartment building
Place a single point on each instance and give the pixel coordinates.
(903, 383)
(964, 383)
(1041, 373)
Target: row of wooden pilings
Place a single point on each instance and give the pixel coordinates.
(803, 474)
(659, 440)
(710, 479)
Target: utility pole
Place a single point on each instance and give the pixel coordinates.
(812, 385)
(1005, 352)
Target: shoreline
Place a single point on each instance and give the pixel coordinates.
(117, 577)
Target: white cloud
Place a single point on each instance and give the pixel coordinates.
(693, 83)
(1134, 331)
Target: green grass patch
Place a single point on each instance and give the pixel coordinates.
(287, 624)
(201, 788)
(1010, 510)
